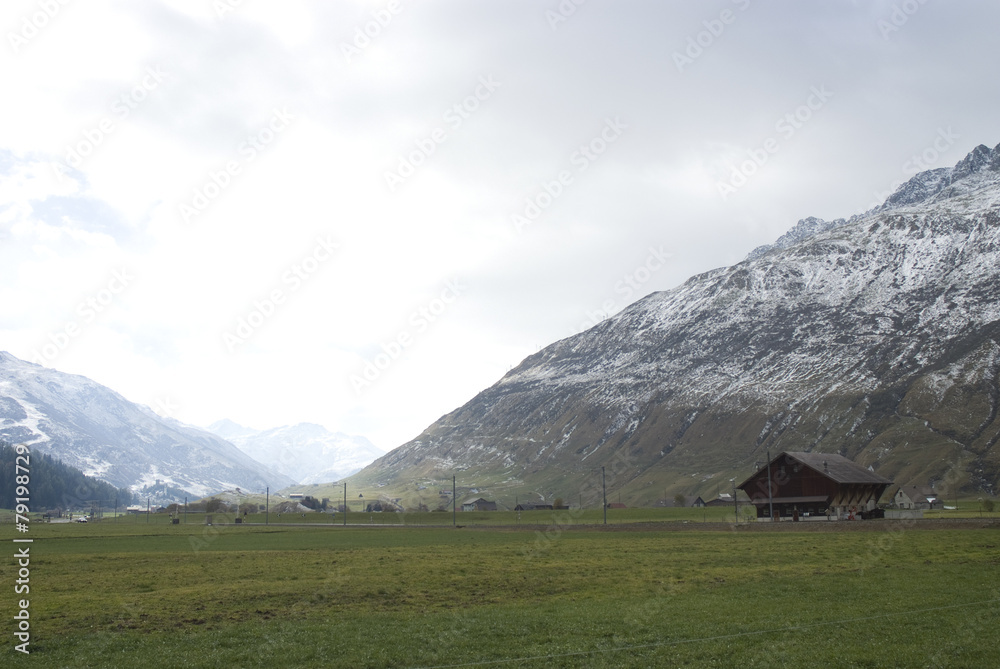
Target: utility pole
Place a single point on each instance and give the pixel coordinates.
(770, 499)
(736, 505)
(147, 510)
(345, 503)
(454, 519)
(185, 509)
(267, 504)
(604, 489)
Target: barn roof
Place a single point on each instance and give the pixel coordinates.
(835, 467)
(838, 468)
(919, 495)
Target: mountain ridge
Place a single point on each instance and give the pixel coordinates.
(874, 336)
(95, 429)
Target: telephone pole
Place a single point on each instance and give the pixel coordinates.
(604, 489)
(770, 499)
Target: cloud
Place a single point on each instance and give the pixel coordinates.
(184, 101)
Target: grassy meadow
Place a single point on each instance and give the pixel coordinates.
(879, 594)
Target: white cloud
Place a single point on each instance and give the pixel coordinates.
(162, 340)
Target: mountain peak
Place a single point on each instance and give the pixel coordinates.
(930, 185)
(228, 429)
(980, 158)
(944, 183)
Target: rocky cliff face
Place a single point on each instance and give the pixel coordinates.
(876, 337)
(93, 428)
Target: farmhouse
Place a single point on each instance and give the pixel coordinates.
(531, 506)
(724, 499)
(813, 483)
(479, 505)
(912, 497)
(698, 503)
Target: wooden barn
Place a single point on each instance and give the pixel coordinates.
(479, 505)
(531, 506)
(810, 484)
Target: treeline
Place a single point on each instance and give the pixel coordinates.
(51, 484)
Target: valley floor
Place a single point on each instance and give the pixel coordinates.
(892, 595)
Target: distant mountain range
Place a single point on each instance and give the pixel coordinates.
(306, 453)
(876, 337)
(96, 430)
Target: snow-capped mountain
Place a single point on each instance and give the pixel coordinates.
(93, 428)
(876, 337)
(306, 453)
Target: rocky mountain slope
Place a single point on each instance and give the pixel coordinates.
(876, 337)
(306, 453)
(96, 430)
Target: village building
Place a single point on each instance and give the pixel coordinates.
(797, 484)
(724, 499)
(698, 503)
(912, 497)
(531, 506)
(479, 504)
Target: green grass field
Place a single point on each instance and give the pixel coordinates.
(464, 518)
(132, 594)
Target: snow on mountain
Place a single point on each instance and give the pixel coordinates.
(804, 229)
(93, 428)
(877, 337)
(306, 453)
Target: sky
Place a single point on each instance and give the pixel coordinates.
(363, 213)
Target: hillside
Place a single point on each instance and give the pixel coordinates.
(96, 430)
(876, 337)
(56, 485)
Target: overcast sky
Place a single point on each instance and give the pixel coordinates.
(360, 214)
